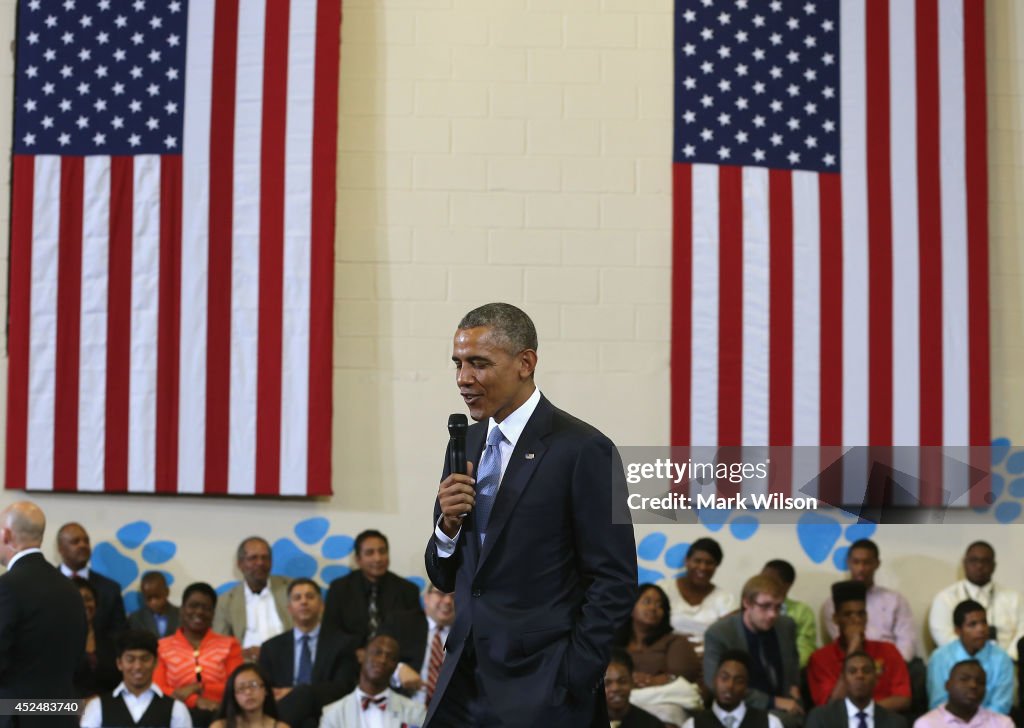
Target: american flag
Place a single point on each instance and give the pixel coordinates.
(172, 246)
(830, 232)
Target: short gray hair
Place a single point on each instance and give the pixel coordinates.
(240, 554)
(511, 326)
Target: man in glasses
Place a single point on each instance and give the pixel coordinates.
(769, 638)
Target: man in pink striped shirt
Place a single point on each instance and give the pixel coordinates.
(963, 709)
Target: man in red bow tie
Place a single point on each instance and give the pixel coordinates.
(373, 704)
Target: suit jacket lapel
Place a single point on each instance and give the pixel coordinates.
(475, 437)
(238, 615)
(518, 474)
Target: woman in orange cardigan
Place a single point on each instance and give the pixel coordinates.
(194, 663)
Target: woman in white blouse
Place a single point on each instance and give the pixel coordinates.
(696, 602)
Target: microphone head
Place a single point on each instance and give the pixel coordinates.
(457, 425)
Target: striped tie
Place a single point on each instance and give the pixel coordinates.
(436, 658)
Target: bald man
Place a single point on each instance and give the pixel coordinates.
(42, 618)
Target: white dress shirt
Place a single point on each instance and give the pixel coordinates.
(852, 710)
(512, 428)
(737, 714)
(137, 706)
(66, 571)
(261, 620)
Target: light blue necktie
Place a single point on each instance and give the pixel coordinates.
(305, 676)
(488, 479)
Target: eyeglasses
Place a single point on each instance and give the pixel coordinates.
(250, 686)
(769, 606)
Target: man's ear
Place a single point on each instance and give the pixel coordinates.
(527, 363)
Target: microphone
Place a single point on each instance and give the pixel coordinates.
(457, 425)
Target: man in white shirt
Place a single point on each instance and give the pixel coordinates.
(1003, 607)
(858, 709)
(136, 699)
(421, 638)
(257, 609)
(373, 704)
(730, 687)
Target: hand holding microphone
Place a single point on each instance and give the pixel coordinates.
(456, 494)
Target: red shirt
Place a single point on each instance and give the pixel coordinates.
(826, 665)
(217, 657)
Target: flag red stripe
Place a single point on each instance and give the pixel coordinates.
(977, 237)
(222, 153)
(780, 306)
(879, 225)
(168, 346)
(69, 323)
(682, 306)
(22, 193)
(321, 316)
(730, 306)
(272, 175)
(119, 323)
(929, 211)
(830, 221)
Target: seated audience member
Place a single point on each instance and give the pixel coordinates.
(971, 627)
(421, 637)
(889, 616)
(194, 662)
(825, 670)
(1004, 607)
(856, 709)
(729, 687)
(666, 670)
(157, 615)
(75, 552)
(618, 683)
(97, 671)
(306, 667)
(965, 691)
(695, 601)
(373, 694)
(800, 613)
(248, 700)
(359, 602)
(770, 641)
(136, 701)
(257, 608)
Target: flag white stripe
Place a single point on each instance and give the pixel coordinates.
(906, 371)
(704, 361)
(145, 304)
(43, 324)
(92, 344)
(855, 214)
(955, 338)
(296, 284)
(806, 310)
(245, 249)
(756, 324)
(194, 250)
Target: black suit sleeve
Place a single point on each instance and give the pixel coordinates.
(8, 620)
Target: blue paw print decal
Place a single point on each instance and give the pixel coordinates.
(109, 560)
(1006, 499)
(650, 549)
(741, 527)
(313, 554)
(822, 535)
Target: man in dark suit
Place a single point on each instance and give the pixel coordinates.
(421, 637)
(42, 619)
(539, 550)
(859, 674)
(308, 667)
(157, 615)
(729, 688)
(360, 601)
(618, 684)
(75, 551)
(769, 638)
